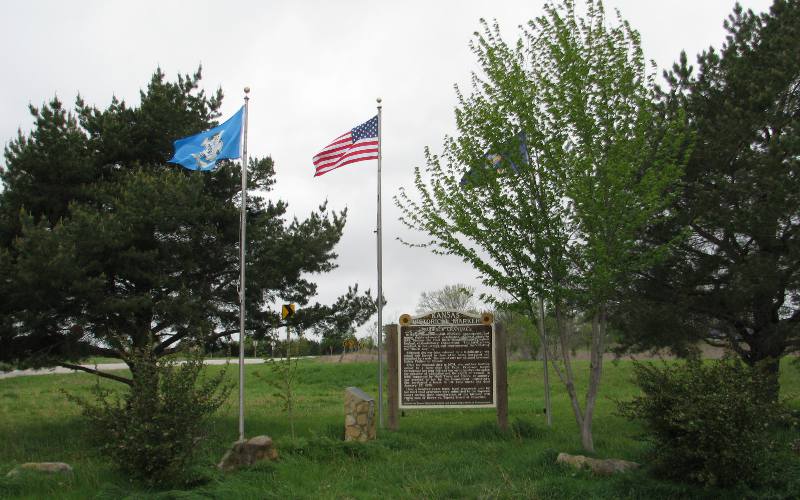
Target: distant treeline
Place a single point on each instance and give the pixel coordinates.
(277, 348)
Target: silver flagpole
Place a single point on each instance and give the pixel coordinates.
(242, 245)
(380, 274)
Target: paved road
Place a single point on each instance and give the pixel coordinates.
(111, 367)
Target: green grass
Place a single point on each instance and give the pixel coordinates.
(435, 454)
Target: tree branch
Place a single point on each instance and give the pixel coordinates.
(109, 376)
(103, 351)
(733, 251)
(221, 334)
(794, 318)
(161, 347)
(156, 329)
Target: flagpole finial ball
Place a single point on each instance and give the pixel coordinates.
(247, 90)
(379, 100)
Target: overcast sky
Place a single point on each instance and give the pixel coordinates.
(314, 69)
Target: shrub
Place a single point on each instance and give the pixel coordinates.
(284, 373)
(152, 430)
(709, 422)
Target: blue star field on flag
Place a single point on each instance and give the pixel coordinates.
(367, 129)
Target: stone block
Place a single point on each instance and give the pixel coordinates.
(603, 467)
(247, 452)
(46, 467)
(360, 415)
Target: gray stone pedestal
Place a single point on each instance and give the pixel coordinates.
(359, 415)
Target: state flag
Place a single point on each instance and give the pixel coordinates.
(202, 151)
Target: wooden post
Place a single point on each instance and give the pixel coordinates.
(391, 355)
(501, 366)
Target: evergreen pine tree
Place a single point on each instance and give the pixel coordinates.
(105, 248)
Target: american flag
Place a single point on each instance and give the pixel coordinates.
(359, 144)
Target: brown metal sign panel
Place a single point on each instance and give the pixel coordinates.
(446, 360)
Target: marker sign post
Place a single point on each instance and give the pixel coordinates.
(448, 359)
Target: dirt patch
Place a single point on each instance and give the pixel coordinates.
(350, 357)
(708, 352)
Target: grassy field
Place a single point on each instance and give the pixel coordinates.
(435, 454)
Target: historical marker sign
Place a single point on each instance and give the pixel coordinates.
(446, 360)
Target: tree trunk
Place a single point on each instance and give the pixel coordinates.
(769, 368)
(599, 322)
(142, 367)
(567, 378)
(766, 350)
(583, 417)
(587, 441)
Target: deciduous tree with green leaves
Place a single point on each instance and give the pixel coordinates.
(106, 249)
(587, 161)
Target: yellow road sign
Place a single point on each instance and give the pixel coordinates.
(287, 311)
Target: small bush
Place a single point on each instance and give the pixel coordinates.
(152, 431)
(709, 423)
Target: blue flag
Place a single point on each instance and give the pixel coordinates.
(498, 162)
(201, 151)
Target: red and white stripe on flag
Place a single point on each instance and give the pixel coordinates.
(359, 144)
